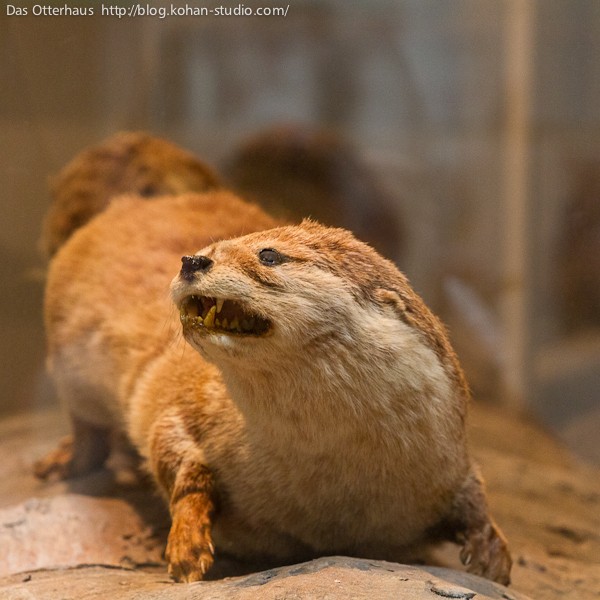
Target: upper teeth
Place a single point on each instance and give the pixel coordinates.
(198, 312)
(209, 319)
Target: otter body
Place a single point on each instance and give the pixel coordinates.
(125, 163)
(312, 406)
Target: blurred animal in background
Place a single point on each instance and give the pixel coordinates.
(578, 261)
(126, 163)
(295, 171)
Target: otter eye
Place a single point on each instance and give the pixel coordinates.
(270, 257)
(148, 190)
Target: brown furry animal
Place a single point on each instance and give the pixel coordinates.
(304, 171)
(317, 407)
(125, 163)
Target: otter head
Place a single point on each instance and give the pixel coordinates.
(286, 292)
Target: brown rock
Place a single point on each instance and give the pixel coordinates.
(71, 530)
(331, 578)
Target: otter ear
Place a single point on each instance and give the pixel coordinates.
(391, 298)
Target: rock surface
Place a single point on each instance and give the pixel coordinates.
(329, 578)
(102, 536)
(73, 530)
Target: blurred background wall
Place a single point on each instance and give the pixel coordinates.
(478, 120)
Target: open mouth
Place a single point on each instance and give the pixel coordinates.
(221, 316)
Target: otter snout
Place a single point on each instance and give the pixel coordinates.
(194, 264)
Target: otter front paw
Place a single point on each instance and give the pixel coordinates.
(190, 551)
(58, 462)
(78, 454)
(485, 553)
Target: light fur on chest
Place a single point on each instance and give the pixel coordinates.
(352, 442)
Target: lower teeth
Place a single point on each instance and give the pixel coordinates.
(210, 323)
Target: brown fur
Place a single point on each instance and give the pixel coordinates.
(125, 163)
(303, 171)
(341, 430)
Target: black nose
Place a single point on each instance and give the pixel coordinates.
(193, 264)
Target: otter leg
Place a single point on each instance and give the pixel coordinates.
(78, 454)
(484, 547)
(177, 464)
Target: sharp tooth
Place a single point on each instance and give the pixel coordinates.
(217, 323)
(220, 302)
(209, 320)
(225, 324)
(235, 324)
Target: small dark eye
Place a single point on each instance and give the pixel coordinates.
(148, 190)
(270, 257)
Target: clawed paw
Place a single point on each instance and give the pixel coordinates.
(189, 558)
(485, 553)
(190, 551)
(57, 463)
